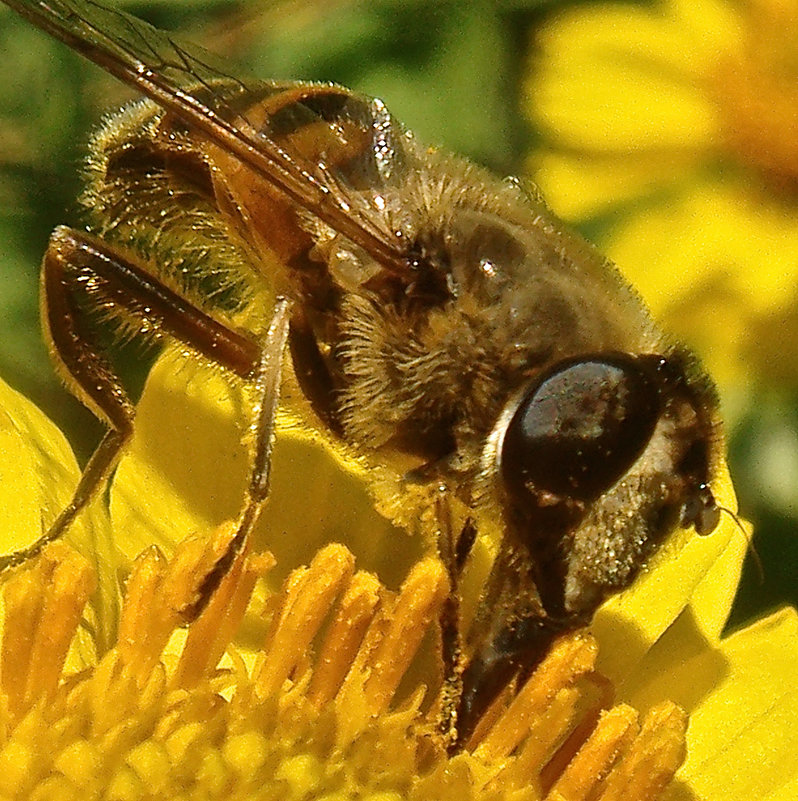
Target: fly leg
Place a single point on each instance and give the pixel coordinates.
(80, 271)
(267, 391)
(453, 552)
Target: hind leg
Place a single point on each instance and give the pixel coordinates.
(79, 271)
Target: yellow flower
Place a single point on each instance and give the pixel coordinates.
(324, 684)
(677, 123)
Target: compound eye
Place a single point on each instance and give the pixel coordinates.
(580, 429)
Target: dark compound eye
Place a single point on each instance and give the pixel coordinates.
(580, 429)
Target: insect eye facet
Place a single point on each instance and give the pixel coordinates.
(579, 429)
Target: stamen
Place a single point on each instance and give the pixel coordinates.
(320, 716)
(355, 612)
(568, 660)
(391, 644)
(653, 758)
(42, 614)
(308, 594)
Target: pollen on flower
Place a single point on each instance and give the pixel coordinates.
(333, 706)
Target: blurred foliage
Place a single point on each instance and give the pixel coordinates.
(451, 71)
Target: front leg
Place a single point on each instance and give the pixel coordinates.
(267, 391)
(510, 636)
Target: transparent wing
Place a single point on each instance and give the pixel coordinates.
(306, 165)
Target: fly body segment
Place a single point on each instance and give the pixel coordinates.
(436, 319)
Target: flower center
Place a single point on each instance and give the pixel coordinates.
(330, 705)
(757, 92)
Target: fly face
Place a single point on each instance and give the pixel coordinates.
(437, 319)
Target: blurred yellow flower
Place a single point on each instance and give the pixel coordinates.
(677, 123)
(326, 685)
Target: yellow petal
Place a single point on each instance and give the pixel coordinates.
(620, 78)
(718, 266)
(743, 738)
(579, 186)
(196, 482)
(689, 566)
(38, 473)
(727, 227)
(187, 465)
(742, 699)
(715, 27)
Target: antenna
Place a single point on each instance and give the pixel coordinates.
(760, 569)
